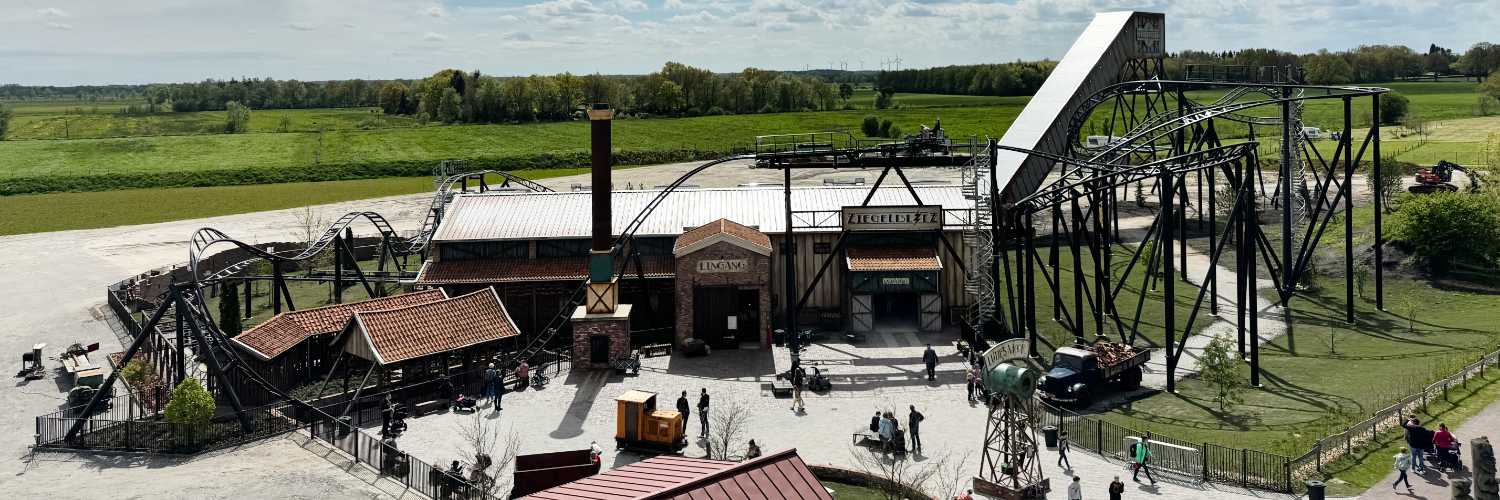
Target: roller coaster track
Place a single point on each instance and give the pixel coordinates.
(205, 238)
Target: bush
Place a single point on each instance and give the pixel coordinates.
(137, 373)
(1393, 107)
(1446, 227)
(238, 119)
(885, 99)
(871, 126)
(191, 404)
(5, 114)
(885, 128)
(896, 132)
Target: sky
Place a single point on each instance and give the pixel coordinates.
(87, 42)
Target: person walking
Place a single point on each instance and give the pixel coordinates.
(1062, 451)
(682, 407)
(1075, 489)
(499, 389)
(797, 382)
(1419, 439)
(490, 376)
(930, 358)
(971, 375)
(913, 426)
(1142, 458)
(703, 412)
(523, 376)
(1403, 462)
(1116, 489)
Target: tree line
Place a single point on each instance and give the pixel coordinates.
(1007, 79)
(1366, 63)
(677, 89)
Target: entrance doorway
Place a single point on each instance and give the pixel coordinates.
(725, 316)
(896, 310)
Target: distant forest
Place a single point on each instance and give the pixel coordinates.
(677, 89)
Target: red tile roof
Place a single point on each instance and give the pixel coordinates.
(411, 332)
(284, 331)
(486, 271)
(727, 230)
(893, 259)
(777, 476)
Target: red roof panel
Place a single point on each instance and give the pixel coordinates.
(284, 331)
(777, 476)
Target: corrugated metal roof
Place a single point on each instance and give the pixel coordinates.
(776, 476)
(514, 216)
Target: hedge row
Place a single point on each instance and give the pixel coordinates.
(329, 171)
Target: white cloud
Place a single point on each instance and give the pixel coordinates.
(551, 8)
(628, 5)
(302, 26)
(349, 25)
(52, 12)
(435, 11)
(517, 36)
(59, 26)
(434, 37)
(508, 19)
(673, 5)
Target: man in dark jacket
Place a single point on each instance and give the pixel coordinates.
(875, 422)
(913, 423)
(682, 407)
(1420, 440)
(929, 358)
(703, 412)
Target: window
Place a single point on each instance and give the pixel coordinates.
(562, 248)
(822, 247)
(484, 250)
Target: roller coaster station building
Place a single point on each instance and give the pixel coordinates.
(709, 263)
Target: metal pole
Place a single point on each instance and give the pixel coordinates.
(788, 252)
(1348, 144)
(1240, 249)
(1052, 260)
(1252, 300)
(338, 269)
(1213, 242)
(1379, 204)
(1029, 240)
(1169, 296)
(1286, 190)
(275, 286)
(996, 235)
(1074, 239)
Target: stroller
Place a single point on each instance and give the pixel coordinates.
(1446, 457)
(465, 403)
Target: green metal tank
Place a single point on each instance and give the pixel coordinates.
(1011, 380)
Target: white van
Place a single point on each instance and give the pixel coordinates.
(1099, 141)
(1312, 132)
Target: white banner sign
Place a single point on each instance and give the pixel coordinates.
(723, 266)
(1009, 350)
(909, 218)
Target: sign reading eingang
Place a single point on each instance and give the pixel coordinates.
(893, 218)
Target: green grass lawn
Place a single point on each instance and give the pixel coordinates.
(69, 124)
(843, 491)
(32, 213)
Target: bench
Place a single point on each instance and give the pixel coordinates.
(654, 350)
(429, 406)
(781, 388)
(863, 437)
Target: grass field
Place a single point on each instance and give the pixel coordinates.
(32, 213)
(104, 124)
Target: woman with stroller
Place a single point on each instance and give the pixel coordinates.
(1446, 447)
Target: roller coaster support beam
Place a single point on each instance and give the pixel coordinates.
(1169, 295)
(1248, 275)
(1347, 142)
(1028, 238)
(997, 235)
(1379, 205)
(1287, 154)
(109, 382)
(1075, 238)
(788, 253)
(216, 369)
(338, 269)
(1242, 251)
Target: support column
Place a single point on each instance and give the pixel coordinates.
(1075, 236)
(788, 253)
(338, 269)
(1379, 204)
(1348, 144)
(1029, 239)
(1169, 294)
(1248, 276)
(1287, 270)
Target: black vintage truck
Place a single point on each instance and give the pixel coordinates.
(1081, 373)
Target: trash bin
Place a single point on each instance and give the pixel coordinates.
(1049, 435)
(778, 337)
(1315, 490)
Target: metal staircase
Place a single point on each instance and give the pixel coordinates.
(980, 240)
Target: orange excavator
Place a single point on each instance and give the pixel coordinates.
(1439, 178)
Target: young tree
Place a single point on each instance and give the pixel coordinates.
(1222, 370)
(229, 310)
(449, 106)
(885, 127)
(191, 404)
(1390, 183)
(885, 99)
(895, 476)
(729, 422)
(1491, 85)
(237, 120)
(284, 124)
(846, 91)
(5, 115)
(488, 453)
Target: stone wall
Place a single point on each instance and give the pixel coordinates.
(756, 275)
(617, 328)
